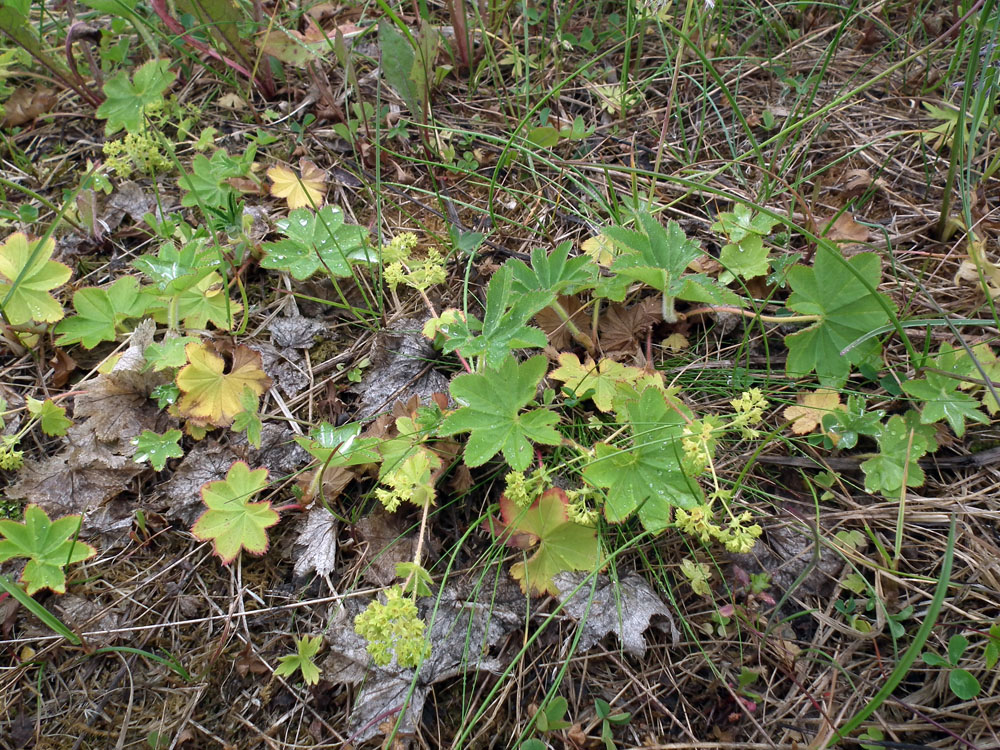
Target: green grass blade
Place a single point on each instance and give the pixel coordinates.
(911, 654)
(53, 622)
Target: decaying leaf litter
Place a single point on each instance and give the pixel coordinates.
(779, 665)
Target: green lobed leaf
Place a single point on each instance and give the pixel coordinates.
(743, 222)
(306, 649)
(942, 400)
(207, 301)
(48, 545)
(315, 242)
(169, 353)
(492, 413)
(552, 273)
(902, 442)
(746, 258)
(856, 420)
(847, 310)
(340, 446)
(126, 101)
(27, 275)
(504, 323)
(51, 417)
(206, 183)
(100, 310)
(557, 543)
(647, 475)
(156, 449)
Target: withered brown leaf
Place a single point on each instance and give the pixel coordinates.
(25, 104)
(623, 329)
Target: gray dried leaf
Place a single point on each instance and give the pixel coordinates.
(26, 104)
(295, 332)
(206, 462)
(210, 461)
(131, 200)
(85, 615)
(79, 479)
(386, 543)
(316, 545)
(624, 607)
(286, 367)
(96, 463)
(278, 452)
(400, 357)
(787, 551)
(471, 620)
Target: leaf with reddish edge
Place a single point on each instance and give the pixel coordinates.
(233, 523)
(559, 543)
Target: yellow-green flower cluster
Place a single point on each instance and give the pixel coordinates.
(400, 267)
(523, 489)
(410, 481)
(393, 629)
(698, 442)
(398, 249)
(579, 511)
(11, 459)
(698, 575)
(738, 536)
(749, 408)
(135, 151)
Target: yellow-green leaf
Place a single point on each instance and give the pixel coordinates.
(26, 276)
(232, 522)
(212, 395)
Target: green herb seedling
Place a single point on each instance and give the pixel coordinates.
(962, 682)
(306, 649)
(609, 720)
(552, 716)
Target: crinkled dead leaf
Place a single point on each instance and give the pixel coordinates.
(295, 47)
(295, 332)
(306, 190)
(470, 620)
(400, 357)
(25, 104)
(316, 545)
(808, 414)
(179, 497)
(625, 607)
(558, 543)
(858, 181)
(211, 395)
(624, 329)
(388, 539)
(96, 464)
(845, 230)
(970, 268)
(555, 328)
